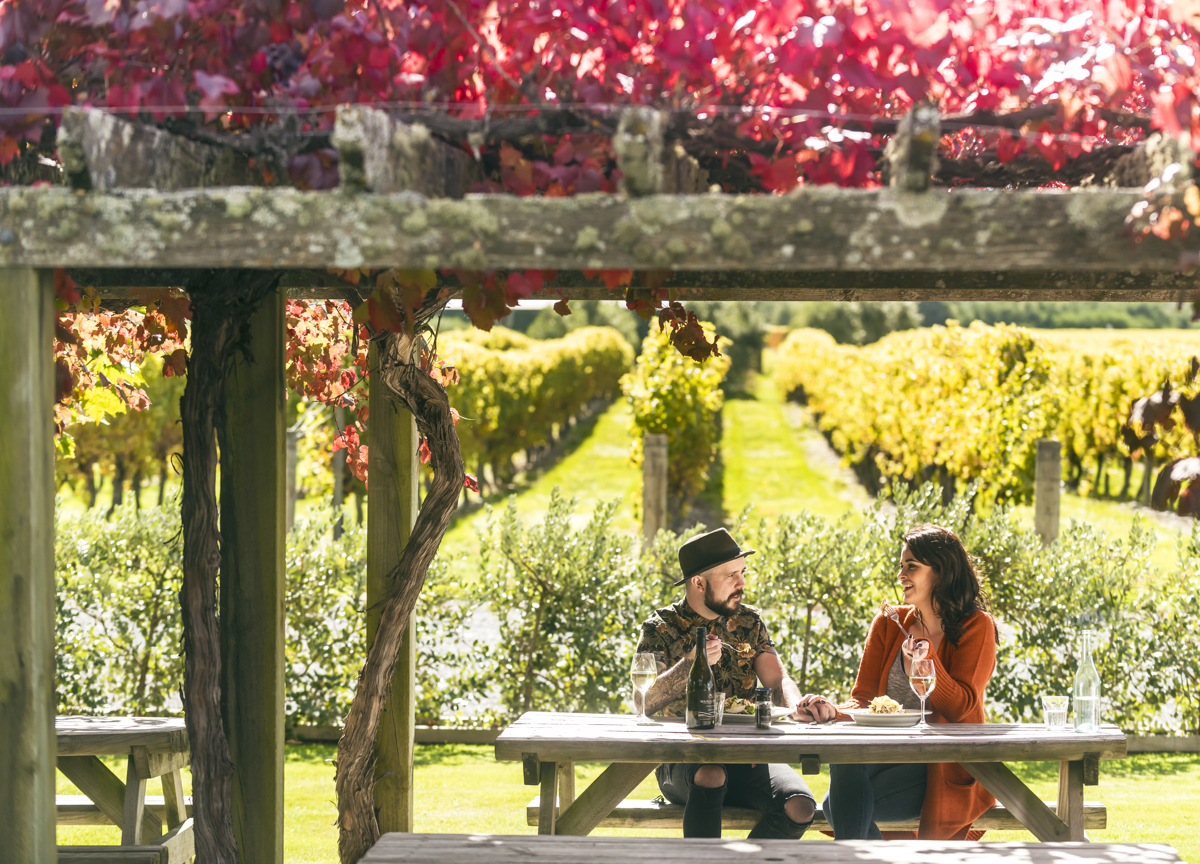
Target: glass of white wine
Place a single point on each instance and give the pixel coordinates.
(922, 677)
(644, 671)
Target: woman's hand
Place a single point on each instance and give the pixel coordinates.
(814, 708)
(914, 648)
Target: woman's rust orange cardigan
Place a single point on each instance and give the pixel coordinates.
(953, 798)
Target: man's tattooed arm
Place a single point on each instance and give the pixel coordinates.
(669, 686)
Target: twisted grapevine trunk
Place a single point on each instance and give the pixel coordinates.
(220, 310)
(426, 399)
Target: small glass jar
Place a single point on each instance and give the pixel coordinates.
(762, 708)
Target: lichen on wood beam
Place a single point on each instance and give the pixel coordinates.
(99, 150)
(384, 155)
(117, 286)
(813, 228)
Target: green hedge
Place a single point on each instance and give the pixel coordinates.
(118, 626)
(565, 599)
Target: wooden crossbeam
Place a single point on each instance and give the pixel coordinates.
(814, 228)
(123, 285)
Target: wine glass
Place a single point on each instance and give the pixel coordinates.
(644, 671)
(922, 677)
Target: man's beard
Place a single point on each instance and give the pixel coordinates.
(728, 608)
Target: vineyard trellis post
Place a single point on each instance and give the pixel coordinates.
(654, 485)
(1047, 489)
(27, 586)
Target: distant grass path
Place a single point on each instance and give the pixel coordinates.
(765, 463)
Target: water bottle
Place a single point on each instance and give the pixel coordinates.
(1087, 690)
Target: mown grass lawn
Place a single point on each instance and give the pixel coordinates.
(765, 463)
(1151, 798)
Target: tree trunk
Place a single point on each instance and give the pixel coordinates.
(162, 484)
(135, 486)
(89, 476)
(220, 314)
(1100, 475)
(118, 490)
(1128, 476)
(339, 474)
(426, 399)
(358, 510)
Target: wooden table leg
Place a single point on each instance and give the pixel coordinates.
(176, 804)
(132, 833)
(566, 785)
(1070, 798)
(599, 799)
(547, 804)
(1021, 802)
(105, 790)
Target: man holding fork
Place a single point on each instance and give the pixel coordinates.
(741, 654)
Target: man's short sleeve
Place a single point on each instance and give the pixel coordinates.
(652, 637)
(760, 639)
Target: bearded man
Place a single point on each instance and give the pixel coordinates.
(714, 571)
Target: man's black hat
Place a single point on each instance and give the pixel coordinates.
(705, 551)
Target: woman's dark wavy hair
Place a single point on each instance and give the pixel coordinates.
(957, 592)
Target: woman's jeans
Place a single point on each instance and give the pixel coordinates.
(760, 787)
(861, 795)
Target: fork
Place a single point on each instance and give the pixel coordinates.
(894, 613)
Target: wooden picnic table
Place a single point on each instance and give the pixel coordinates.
(155, 747)
(550, 743)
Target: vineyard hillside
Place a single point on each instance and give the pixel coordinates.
(957, 404)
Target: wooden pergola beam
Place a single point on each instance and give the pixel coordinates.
(814, 228)
(120, 286)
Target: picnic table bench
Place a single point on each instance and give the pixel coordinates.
(154, 747)
(548, 744)
(498, 849)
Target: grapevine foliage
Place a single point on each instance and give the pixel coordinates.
(769, 95)
(668, 394)
(963, 404)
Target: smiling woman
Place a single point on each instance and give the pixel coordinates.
(944, 618)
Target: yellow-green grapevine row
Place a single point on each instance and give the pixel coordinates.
(973, 401)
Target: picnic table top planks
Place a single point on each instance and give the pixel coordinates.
(563, 737)
(499, 849)
(117, 736)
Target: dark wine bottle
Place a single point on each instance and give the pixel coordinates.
(701, 687)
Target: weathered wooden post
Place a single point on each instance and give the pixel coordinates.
(1046, 489)
(391, 513)
(254, 583)
(27, 568)
(654, 486)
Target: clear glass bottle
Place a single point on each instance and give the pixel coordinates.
(1086, 691)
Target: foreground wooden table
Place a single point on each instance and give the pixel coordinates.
(154, 747)
(549, 744)
(498, 849)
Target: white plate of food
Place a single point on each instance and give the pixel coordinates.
(885, 711)
(738, 710)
